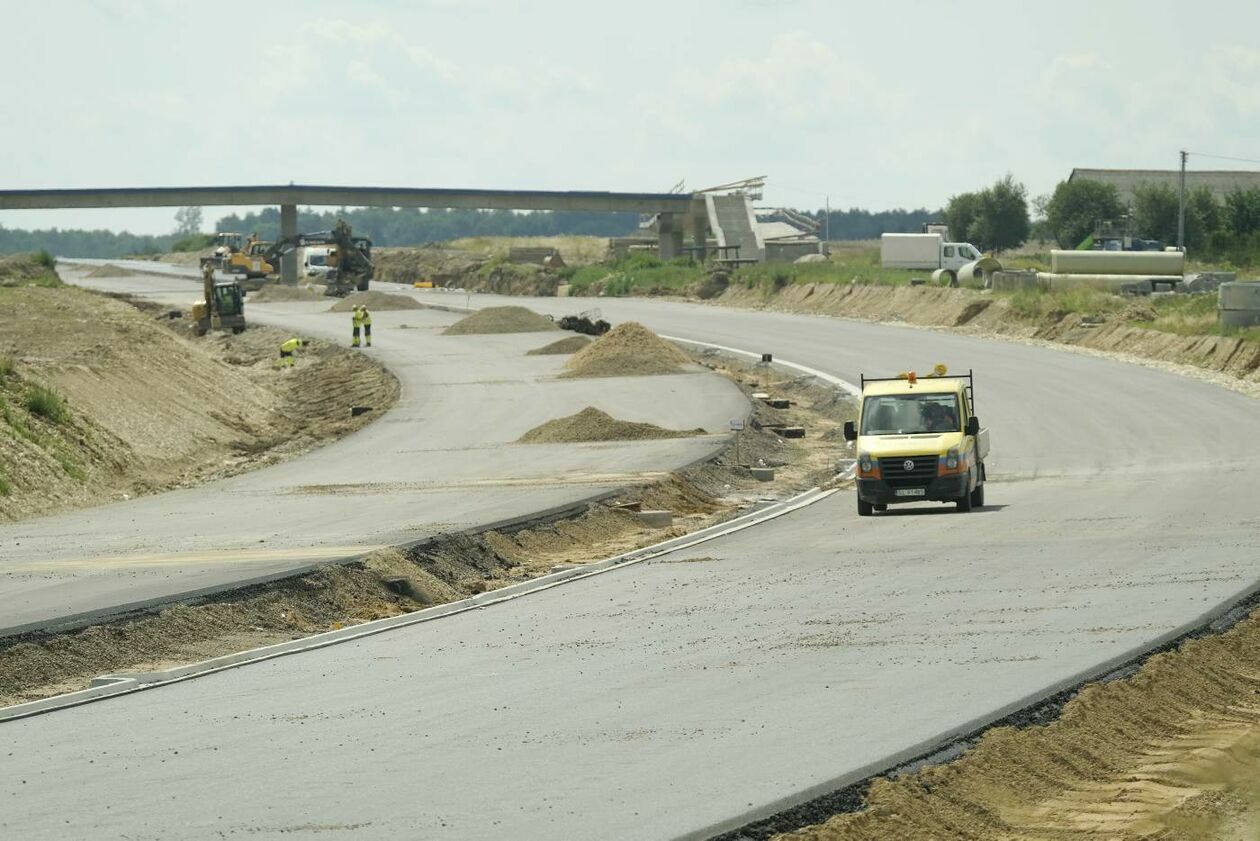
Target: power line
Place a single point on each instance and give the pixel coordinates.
(1224, 157)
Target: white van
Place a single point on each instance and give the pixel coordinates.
(315, 260)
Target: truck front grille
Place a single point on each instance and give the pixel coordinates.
(921, 472)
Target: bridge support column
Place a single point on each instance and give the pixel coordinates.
(670, 236)
(288, 228)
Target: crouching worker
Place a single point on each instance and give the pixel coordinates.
(287, 349)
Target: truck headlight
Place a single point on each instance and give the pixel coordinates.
(867, 467)
(951, 459)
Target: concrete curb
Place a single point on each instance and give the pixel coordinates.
(108, 686)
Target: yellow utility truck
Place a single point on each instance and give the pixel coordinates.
(918, 440)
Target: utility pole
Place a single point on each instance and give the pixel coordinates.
(1181, 205)
(827, 224)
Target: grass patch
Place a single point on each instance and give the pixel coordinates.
(72, 468)
(1039, 304)
(7, 368)
(639, 274)
(5, 487)
(45, 259)
(46, 403)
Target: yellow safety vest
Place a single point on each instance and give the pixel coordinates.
(356, 317)
(365, 317)
(291, 345)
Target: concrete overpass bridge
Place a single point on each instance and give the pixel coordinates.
(677, 212)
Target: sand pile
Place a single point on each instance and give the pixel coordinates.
(591, 424)
(628, 349)
(501, 320)
(273, 293)
(570, 345)
(110, 270)
(376, 301)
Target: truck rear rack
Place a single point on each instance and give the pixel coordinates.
(969, 377)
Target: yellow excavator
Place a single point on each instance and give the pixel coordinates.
(223, 307)
(350, 261)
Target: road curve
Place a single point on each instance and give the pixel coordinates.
(441, 460)
(685, 695)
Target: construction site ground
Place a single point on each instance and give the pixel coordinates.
(148, 407)
(1086, 558)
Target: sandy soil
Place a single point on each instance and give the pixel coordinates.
(376, 301)
(501, 320)
(148, 407)
(629, 349)
(591, 424)
(565, 346)
(1169, 753)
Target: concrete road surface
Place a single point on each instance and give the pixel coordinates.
(442, 460)
(685, 695)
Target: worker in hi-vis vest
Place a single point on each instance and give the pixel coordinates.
(287, 348)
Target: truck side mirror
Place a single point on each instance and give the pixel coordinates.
(973, 425)
(850, 431)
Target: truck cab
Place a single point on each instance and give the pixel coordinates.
(918, 440)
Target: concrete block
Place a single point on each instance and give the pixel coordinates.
(789, 431)
(1240, 296)
(657, 519)
(777, 402)
(1233, 319)
(762, 474)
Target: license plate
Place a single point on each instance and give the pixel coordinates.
(910, 492)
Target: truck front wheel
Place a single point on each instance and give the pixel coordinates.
(977, 496)
(964, 502)
(865, 509)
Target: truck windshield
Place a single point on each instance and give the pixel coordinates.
(908, 414)
(317, 259)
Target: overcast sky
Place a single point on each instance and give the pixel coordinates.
(877, 104)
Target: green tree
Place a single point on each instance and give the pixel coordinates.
(1076, 205)
(1242, 211)
(187, 221)
(1002, 221)
(961, 213)
(1155, 211)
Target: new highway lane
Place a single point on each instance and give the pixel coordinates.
(684, 695)
(442, 460)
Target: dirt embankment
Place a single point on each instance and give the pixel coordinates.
(102, 399)
(28, 270)
(1170, 754)
(981, 313)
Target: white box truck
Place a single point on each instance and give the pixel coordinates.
(927, 252)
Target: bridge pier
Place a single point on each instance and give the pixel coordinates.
(288, 228)
(669, 236)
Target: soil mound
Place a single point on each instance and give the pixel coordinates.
(501, 320)
(570, 345)
(591, 424)
(376, 301)
(24, 270)
(274, 293)
(629, 349)
(110, 270)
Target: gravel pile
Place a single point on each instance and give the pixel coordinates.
(273, 293)
(629, 349)
(591, 424)
(501, 320)
(570, 345)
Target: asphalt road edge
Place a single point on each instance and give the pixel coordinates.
(109, 686)
(923, 751)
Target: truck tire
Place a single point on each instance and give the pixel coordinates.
(977, 496)
(964, 502)
(865, 509)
